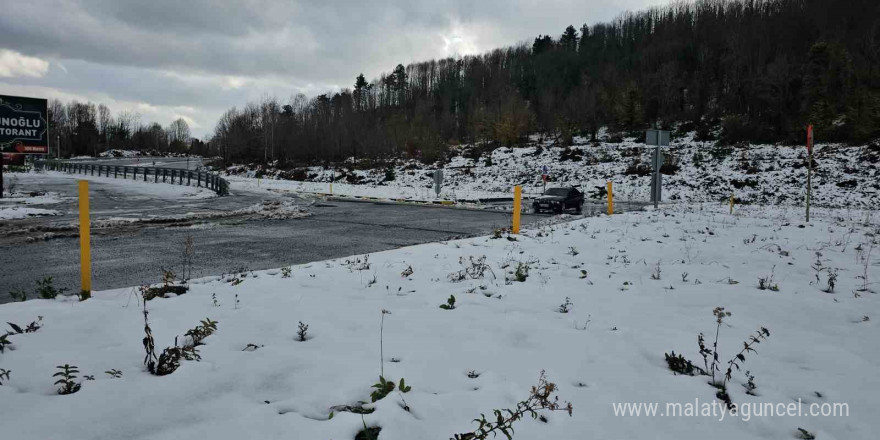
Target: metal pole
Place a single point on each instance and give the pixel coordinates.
(1, 175)
(809, 167)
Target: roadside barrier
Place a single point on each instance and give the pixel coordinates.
(181, 177)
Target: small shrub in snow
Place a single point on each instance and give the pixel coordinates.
(114, 373)
(450, 303)
(214, 300)
(656, 274)
(46, 289)
(302, 332)
(18, 294)
(766, 283)
(202, 331)
(474, 269)
(679, 365)
(285, 272)
(522, 272)
(30, 328)
(4, 341)
(750, 384)
(384, 387)
(169, 361)
(168, 286)
(566, 306)
(67, 377)
(540, 399)
(4, 375)
(407, 272)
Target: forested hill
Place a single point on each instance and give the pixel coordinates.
(748, 70)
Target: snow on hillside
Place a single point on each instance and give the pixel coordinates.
(700, 171)
(596, 303)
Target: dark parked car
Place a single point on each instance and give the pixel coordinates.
(559, 199)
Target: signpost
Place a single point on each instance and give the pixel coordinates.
(438, 180)
(658, 138)
(24, 128)
(544, 174)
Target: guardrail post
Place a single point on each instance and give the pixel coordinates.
(155, 175)
(145, 173)
(189, 176)
(164, 174)
(115, 171)
(199, 179)
(124, 172)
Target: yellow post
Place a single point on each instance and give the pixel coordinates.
(610, 199)
(85, 253)
(517, 207)
(331, 187)
(731, 203)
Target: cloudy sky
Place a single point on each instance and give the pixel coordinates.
(196, 58)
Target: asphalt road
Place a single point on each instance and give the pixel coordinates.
(136, 254)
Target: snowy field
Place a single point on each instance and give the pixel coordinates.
(699, 172)
(596, 303)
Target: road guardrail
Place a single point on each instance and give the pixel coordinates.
(177, 176)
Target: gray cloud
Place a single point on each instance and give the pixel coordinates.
(210, 55)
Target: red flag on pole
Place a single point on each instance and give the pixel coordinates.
(810, 138)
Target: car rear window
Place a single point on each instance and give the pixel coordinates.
(557, 192)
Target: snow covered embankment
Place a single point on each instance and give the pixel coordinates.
(596, 303)
(701, 171)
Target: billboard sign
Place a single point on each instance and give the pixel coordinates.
(24, 126)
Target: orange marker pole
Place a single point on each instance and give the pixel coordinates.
(85, 251)
(517, 207)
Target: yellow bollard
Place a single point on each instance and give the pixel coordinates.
(85, 252)
(610, 199)
(517, 207)
(731, 203)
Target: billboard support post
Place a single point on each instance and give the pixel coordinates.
(1, 176)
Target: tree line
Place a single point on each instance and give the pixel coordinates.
(78, 128)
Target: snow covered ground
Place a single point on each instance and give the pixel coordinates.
(17, 205)
(638, 285)
(769, 174)
(20, 212)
